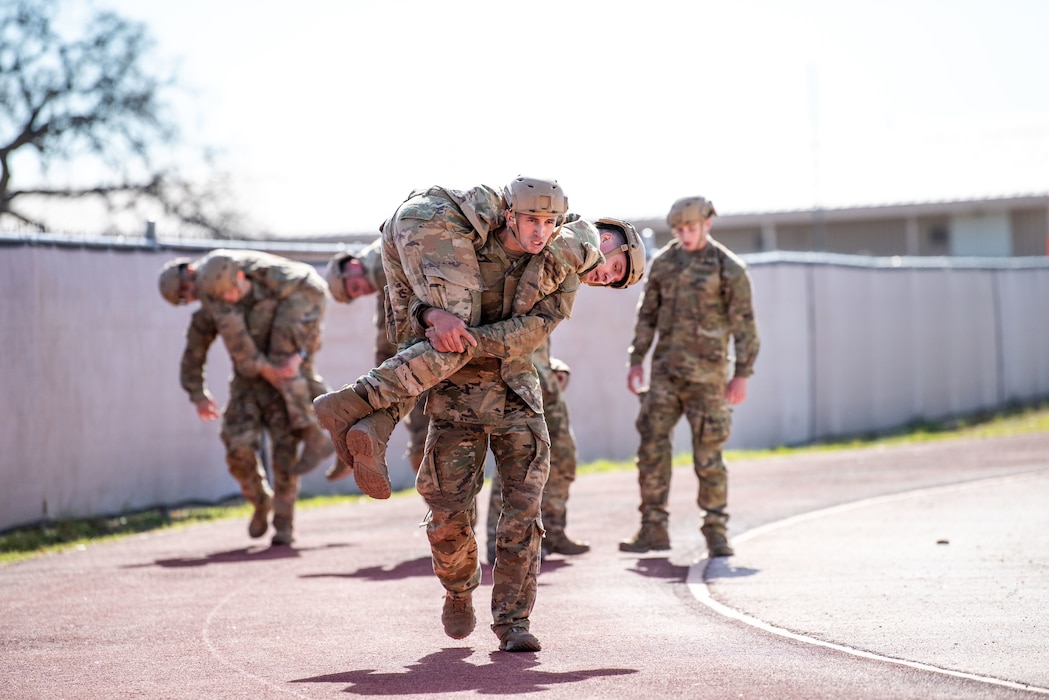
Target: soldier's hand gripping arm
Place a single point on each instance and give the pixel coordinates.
(446, 331)
(247, 360)
(520, 336)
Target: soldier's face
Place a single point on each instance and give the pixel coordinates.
(533, 231)
(612, 270)
(187, 289)
(356, 287)
(354, 281)
(693, 235)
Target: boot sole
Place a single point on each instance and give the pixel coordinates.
(371, 479)
(623, 547)
(529, 643)
(460, 626)
(459, 632)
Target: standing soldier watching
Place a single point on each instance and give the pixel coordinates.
(697, 297)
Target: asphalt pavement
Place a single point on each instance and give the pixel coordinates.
(904, 572)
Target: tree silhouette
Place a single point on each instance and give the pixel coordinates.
(88, 103)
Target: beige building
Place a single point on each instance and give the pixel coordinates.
(1003, 227)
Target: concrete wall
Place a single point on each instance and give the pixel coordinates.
(93, 421)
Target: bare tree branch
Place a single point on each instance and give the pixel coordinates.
(89, 98)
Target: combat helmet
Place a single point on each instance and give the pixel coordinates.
(634, 249)
(533, 195)
(217, 274)
(688, 210)
(334, 276)
(170, 281)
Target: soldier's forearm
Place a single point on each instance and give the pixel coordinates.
(514, 337)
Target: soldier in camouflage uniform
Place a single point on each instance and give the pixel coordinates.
(456, 261)
(606, 253)
(697, 297)
(254, 405)
(349, 277)
(553, 377)
(298, 293)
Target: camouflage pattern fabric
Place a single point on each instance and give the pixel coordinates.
(562, 451)
(413, 412)
(489, 402)
(449, 479)
(708, 415)
(418, 367)
(298, 297)
(696, 302)
(430, 256)
(253, 406)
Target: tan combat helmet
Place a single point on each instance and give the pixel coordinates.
(217, 274)
(688, 210)
(532, 195)
(170, 281)
(334, 276)
(634, 249)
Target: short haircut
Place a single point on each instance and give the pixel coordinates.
(617, 233)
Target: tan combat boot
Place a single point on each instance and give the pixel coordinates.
(285, 534)
(519, 639)
(560, 543)
(458, 614)
(316, 447)
(337, 411)
(649, 537)
(260, 518)
(339, 470)
(717, 542)
(366, 442)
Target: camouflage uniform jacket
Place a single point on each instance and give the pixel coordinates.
(548, 367)
(469, 218)
(201, 334)
(273, 279)
(695, 301)
(539, 292)
(478, 393)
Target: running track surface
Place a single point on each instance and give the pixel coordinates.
(893, 572)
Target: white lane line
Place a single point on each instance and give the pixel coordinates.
(697, 584)
(209, 622)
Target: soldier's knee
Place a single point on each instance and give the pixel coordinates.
(242, 463)
(709, 462)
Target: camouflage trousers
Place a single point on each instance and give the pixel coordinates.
(418, 367)
(414, 413)
(296, 328)
(708, 415)
(562, 471)
(417, 423)
(449, 479)
(255, 406)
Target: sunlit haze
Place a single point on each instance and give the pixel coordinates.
(329, 112)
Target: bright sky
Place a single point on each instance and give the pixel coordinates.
(330, 111)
